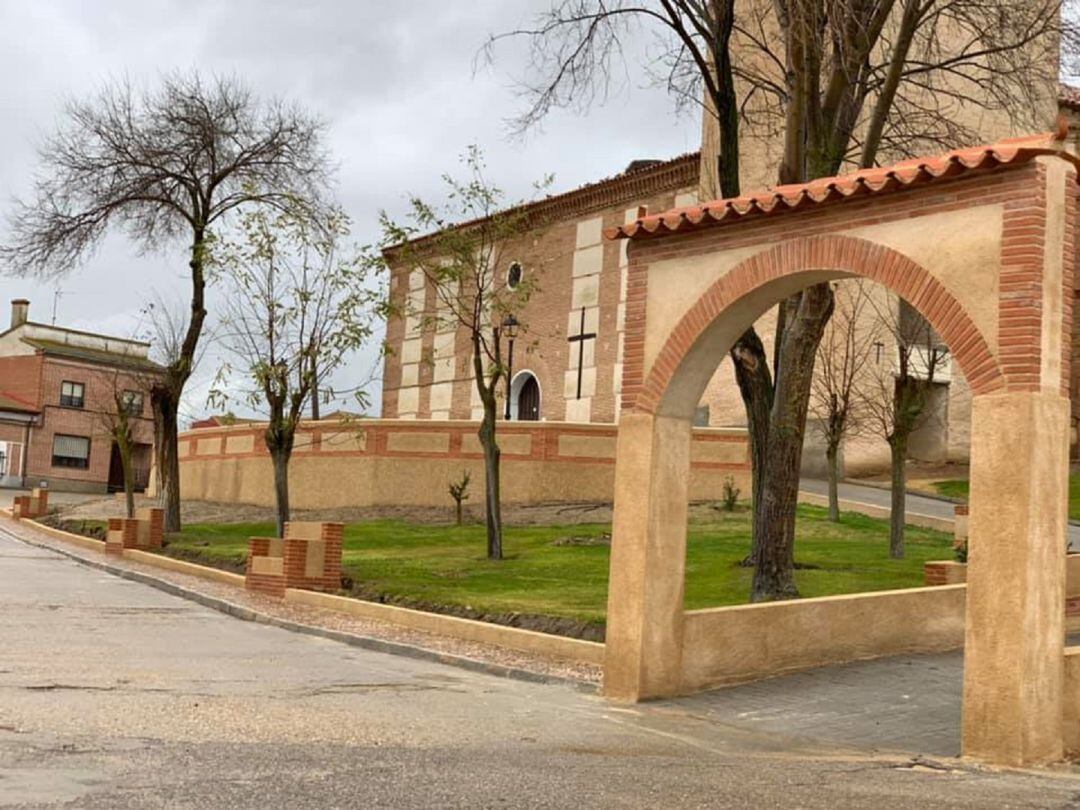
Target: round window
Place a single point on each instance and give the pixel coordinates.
(513, 275)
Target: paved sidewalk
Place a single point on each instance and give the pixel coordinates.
(365, 632)
(114, 695)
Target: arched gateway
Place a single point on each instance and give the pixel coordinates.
(981, 242)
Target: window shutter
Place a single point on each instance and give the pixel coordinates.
(71, 447)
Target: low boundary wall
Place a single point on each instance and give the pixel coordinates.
(383, 462)
(734, 644)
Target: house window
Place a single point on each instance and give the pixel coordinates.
(132, 402)
(72, 394)
(514, 274)
(71, 451)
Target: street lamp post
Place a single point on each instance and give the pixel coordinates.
(510, 327)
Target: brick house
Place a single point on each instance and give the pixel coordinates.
(59, 394)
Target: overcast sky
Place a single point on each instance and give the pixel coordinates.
(395, 82)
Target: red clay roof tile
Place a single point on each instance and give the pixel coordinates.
(779, 199)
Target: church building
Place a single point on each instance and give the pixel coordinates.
(568, 357)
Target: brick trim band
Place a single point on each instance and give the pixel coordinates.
(845, 255)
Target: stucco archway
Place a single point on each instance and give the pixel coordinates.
(981, 243)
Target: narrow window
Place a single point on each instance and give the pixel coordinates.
(71, 451)
(72, 394)
(513, 275)
(132, 402)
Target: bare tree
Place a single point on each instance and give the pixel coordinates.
(896, 396)
(849, 343)
(465, 266)
(160, 165)
(837, 82)
(298, 307)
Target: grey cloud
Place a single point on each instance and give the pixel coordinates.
(395, 83)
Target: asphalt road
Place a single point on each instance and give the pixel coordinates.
(115, 695)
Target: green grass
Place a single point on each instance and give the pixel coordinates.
(445, 565)
(959, 489)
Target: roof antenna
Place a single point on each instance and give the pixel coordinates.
(57, 294)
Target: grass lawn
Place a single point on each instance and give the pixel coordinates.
(959, 489)
(562, 570)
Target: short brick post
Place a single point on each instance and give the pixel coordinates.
(257, 547)
(154, 518)
(295, 566)
(114, 539)
(333, 535)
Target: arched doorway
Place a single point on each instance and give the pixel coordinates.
(993, 280)
(525, 397)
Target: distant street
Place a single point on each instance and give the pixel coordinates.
(115, 695)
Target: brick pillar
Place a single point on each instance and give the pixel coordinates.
(295, 562)
(114, 539)
(332, 534)
(257, 547)
(41, 502)
(157, 527)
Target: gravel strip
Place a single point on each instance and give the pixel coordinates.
(377, 635)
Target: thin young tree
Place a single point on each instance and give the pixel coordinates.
(161, 165)
(462, 249)
(299, 307)
(846, 349)
(837, 83)
(897, 395)
(125, 392)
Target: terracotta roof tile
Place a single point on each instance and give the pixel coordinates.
(780, 199)
(10, 402)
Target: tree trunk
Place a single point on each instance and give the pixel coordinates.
(491, 480)
(167, 395)
(774, 515)
(459, 515)
(832, 457)
(280, 458)
(164, 405)
(756, 387)
(124, 447)
(897, 515)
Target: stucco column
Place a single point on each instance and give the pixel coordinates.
(643, 657)
(1014, 645)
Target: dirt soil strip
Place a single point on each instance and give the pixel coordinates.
(357, 632)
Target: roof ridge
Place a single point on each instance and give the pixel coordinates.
(777, 199)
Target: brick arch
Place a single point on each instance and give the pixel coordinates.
(818, 255)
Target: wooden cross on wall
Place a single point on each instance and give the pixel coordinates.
(580, 339)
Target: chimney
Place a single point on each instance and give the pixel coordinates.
(20, 312)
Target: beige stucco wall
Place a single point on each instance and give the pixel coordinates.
(407, 463)
(729, 645)
(962, 249)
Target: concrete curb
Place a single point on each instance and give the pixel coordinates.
(352, 639)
